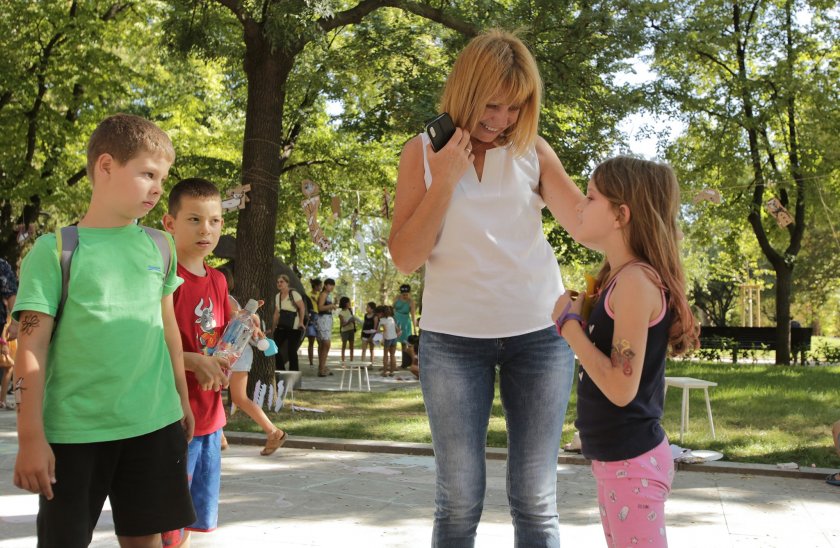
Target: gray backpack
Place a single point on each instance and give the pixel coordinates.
(67, 240)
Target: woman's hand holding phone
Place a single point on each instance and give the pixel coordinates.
(449, 156)
(453, 160)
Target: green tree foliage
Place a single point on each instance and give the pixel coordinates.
(382, 63)
(66, 66)
(748, 79)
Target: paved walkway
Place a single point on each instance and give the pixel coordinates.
(307, 497)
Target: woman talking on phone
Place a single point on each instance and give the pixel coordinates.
(471, 212)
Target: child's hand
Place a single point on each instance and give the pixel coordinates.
(211, 373)
(568, 299)
(35, 467)
(12, 332)
(188, 420)
(258, 333)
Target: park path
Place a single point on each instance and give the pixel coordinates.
(301, 497)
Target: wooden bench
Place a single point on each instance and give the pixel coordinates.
(736, 339)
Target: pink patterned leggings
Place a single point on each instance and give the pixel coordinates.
(631, 497)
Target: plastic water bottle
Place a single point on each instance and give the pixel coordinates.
(238, 333)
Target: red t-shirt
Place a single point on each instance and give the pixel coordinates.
(201, 310)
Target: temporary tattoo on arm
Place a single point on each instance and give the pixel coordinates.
(29, 323)
(621, 356)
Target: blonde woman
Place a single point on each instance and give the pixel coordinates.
(471, 213)
(287, 324)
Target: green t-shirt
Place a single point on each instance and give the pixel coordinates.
(108, 372)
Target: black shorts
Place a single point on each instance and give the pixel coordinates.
(145, 478)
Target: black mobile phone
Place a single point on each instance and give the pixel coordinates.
(440, 130)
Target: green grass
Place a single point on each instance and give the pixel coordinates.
(762, 413)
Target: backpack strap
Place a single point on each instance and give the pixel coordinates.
(164, 245)
(67, 240)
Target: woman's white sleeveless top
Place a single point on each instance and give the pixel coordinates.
(491, 272)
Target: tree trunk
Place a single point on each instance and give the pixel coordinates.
(784, 283)
(267, 71)
(782, 262)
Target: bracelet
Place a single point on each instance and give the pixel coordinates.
(566, 316)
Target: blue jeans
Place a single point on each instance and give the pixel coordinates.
(458, 378)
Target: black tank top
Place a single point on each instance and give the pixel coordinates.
(609, 432)
(367, 325)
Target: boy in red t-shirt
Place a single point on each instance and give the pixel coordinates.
(202, 311)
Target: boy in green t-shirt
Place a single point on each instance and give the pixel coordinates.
(103, 409)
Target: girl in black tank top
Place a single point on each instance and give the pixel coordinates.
(640, 313)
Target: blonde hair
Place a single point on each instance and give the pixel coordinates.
(284, 278)
(493, 64)
(651, 193)
(124, 136)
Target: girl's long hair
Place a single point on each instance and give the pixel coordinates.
(651, 192)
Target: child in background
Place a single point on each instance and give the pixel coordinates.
(312, 324)
(413, 351)
(8, 331)
(195, 222)
(370, 326)
(103, 408)
(390, 333)
(348, 326)
(834, 479)
(275, 438)
(629, 213)
(325, 325)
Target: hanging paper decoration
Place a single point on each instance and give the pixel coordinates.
(309, 188)
(707, 194)
(335, 205)
(310, 206)
(361, 241)
(259, 393)
(386, 204)
(357, 234)
(24, 232)
(281, 395)
(236, 198)
(777, 210)
(271, 395)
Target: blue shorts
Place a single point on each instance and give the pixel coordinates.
(204, 469)
(388, 343)
(245, 361)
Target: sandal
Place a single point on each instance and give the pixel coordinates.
(833, 479)
(274, 442)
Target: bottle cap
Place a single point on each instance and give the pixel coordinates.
(272, 348)
(252, 306)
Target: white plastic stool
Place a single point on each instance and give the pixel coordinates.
(358, 367)
(687, 383)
